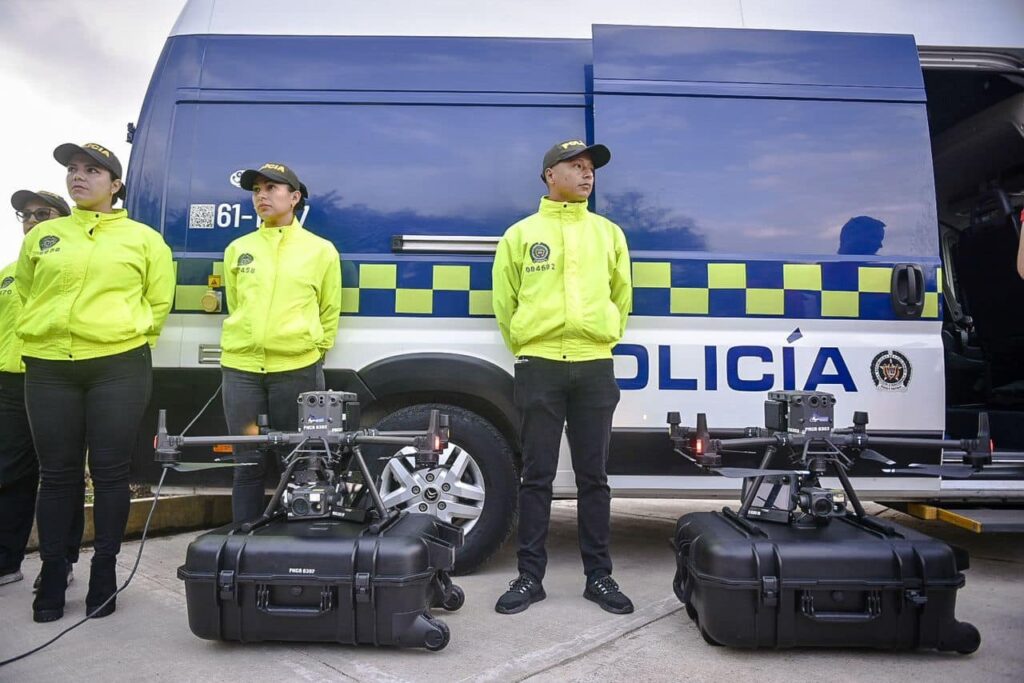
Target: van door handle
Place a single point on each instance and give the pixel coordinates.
(907, 290)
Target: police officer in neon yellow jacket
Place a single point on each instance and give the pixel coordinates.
(19, 465)
(97, 288)
(561, 295)
(283, 286)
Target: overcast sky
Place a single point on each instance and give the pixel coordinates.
(71, 71)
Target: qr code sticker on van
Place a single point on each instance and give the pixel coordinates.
(200, 216)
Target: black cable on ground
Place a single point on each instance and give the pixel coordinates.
(138, 558)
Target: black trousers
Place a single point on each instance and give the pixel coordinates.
(75, 406)
(581, 397)
(19, 479)
(247, 395)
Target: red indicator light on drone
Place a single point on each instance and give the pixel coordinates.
(437, 443)
(698, 446)
(991, 445)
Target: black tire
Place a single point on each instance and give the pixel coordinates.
(492, 454)
(455, 599)
(439, 638)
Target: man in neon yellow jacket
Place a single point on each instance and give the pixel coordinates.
(283, 286)
(561, 294)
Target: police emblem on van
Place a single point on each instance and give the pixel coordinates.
(890, 371)
(236, 178)
(245, 259)
(48, 242)
(539, 252)
(8, 281)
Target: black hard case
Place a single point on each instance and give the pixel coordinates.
(851, 583)
(322, 581)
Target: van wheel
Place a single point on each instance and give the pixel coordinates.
(473, 487)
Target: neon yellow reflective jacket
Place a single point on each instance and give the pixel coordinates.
(561, 284)
(93, 285)
(283, 287)
(10, 309)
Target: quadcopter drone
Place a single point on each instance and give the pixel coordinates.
(325, 474)
(800, 424)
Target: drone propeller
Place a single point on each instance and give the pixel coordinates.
(948, 471)
(956, 471)
(746, 472)
(197, 466)
(868, 454)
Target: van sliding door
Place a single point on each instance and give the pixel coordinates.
(776, 190)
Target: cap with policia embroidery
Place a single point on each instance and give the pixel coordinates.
(22, 197)
(98, 153)
(274, 171)
(599, 154)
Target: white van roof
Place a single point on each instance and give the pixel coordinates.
(935, 23)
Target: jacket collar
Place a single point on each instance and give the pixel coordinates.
(565, 210)
(282, 231)
(86, 217)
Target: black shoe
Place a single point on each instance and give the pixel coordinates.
(102, 585)
(605, 592)
(523, 591)
(39, 578)
(49, 601)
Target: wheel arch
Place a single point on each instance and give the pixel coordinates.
(465, 381)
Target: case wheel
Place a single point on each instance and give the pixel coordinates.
(708, 639)
(691, 612)
(438, 638)
(455, 599)
(967, 638)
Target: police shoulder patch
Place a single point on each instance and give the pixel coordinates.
(48, 242)
(7, 282)
(245, 259)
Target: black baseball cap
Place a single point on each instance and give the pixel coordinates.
(599, 154)
(98, 153)
(274, 171)
(22, 197)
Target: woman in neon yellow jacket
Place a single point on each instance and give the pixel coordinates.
(283, 286)
(19, 465)
(96, 288)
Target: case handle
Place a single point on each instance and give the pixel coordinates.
(264, 605)
(872, 611)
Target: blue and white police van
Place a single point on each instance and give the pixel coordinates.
(816, 197)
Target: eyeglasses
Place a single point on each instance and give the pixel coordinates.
(39, 214)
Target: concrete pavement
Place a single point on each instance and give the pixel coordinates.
(564, 638)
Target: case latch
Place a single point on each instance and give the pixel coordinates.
(915, 598)
(770, 591)
(226, 584)
(363, 587)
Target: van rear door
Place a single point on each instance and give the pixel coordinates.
(777, 193)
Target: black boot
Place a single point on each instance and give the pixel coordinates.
(102, 585)
(49, 601)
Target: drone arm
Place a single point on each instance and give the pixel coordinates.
(271, 439)
(753, 442)
(868, 440)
